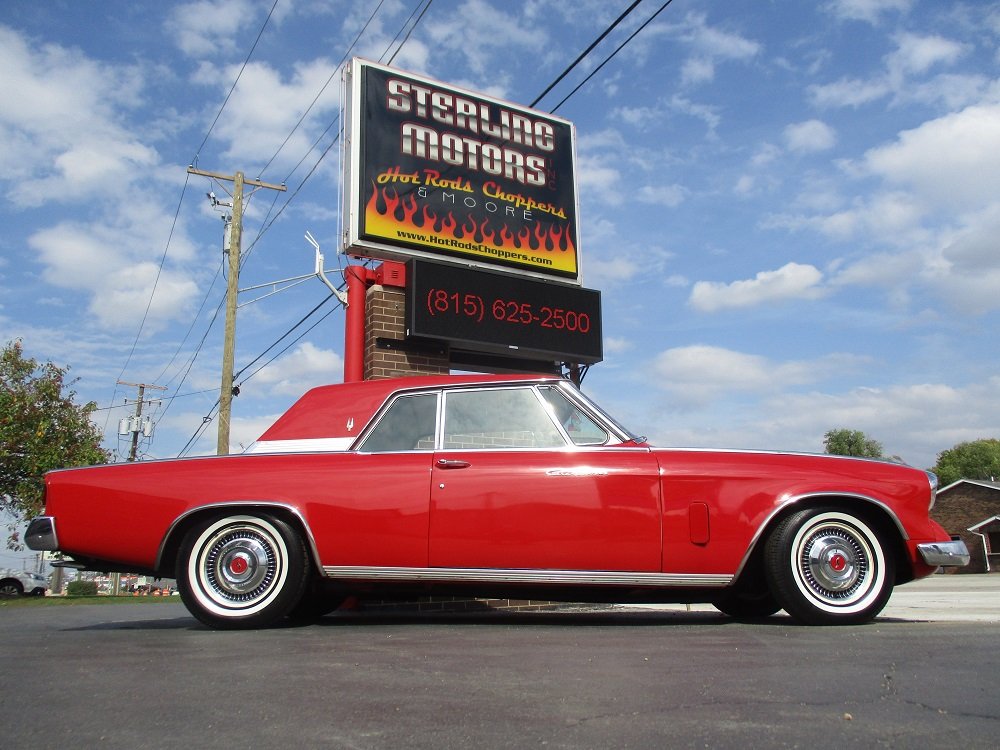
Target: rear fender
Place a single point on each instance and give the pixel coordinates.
(170, 546)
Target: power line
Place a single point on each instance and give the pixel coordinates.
(316, 99)
(609, 57)
(586, 52)
(407, 37)
(152, 294)
(194, 322)
(233, 87)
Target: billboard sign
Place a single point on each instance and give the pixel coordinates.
(485, 311)
(435, 171)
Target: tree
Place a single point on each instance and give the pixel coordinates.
(41, 428)
(978, 459)
(852, 443)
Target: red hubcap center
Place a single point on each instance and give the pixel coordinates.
(238, 566)
(838, 562)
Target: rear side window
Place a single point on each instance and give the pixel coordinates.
(408, 425)
(498, 418)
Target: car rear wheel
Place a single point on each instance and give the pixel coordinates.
(11, 587)
(242, 571)
(827, 566)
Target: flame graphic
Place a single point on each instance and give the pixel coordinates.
(394, 217)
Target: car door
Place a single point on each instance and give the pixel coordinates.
(510, 491)
(372, 509)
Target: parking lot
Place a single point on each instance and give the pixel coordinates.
(134, 676)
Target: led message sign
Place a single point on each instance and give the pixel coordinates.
(505, 314)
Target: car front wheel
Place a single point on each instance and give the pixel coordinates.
(827, 566)
(242, 571)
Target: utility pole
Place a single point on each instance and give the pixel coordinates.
(135, 425)
(232, 289)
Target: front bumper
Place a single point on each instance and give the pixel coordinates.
(953, 554)
(41, 534)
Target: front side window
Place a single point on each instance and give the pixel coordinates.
(498, 418)
(582, 430)
(408, 425)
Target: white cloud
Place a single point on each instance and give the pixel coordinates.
(713, 42)
(95, 259)
(900, 78)
(697, 70)
(493, 30)
(705, 112)
(210, 27)
(696, 375)
(866, 10)
(791, 281)
(616, 345)
(810, 136)
(848, 92)
(266, 105)
(914, 421)
(670, 196)
(765, 154)
(67, 137)
(950, 163)
(305, 367)
(710, 46)
(917, 54)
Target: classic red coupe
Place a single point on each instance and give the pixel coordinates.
(497, 486)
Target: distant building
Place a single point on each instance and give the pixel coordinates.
(970, 508)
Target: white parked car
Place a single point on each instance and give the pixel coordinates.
(21, 583)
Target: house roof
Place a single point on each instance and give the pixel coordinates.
(978, 482)
(981, 524)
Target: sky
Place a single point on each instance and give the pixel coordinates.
(792, 210)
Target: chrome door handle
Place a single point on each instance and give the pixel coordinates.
(452, 463)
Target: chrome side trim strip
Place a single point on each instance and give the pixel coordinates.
(517, 575)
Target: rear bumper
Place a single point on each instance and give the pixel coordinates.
(953, 554)
(41, 534)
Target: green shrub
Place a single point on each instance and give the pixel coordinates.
(81, 588)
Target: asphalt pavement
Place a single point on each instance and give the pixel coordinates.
(938, 598)
(150, 676)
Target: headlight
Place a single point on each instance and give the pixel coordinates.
(933, 480)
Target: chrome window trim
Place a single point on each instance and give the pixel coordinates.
(530, 576)
(355, 445)
(525, 386)
(549, 409)
(596, 413)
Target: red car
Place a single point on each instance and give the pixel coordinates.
(497, 486)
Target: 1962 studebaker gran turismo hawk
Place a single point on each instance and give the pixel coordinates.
(497, 486)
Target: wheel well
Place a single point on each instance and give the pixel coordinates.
(752, 575)
(167, 560)
(17, 583)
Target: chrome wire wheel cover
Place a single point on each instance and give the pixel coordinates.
(239, 564)
(838, 563)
